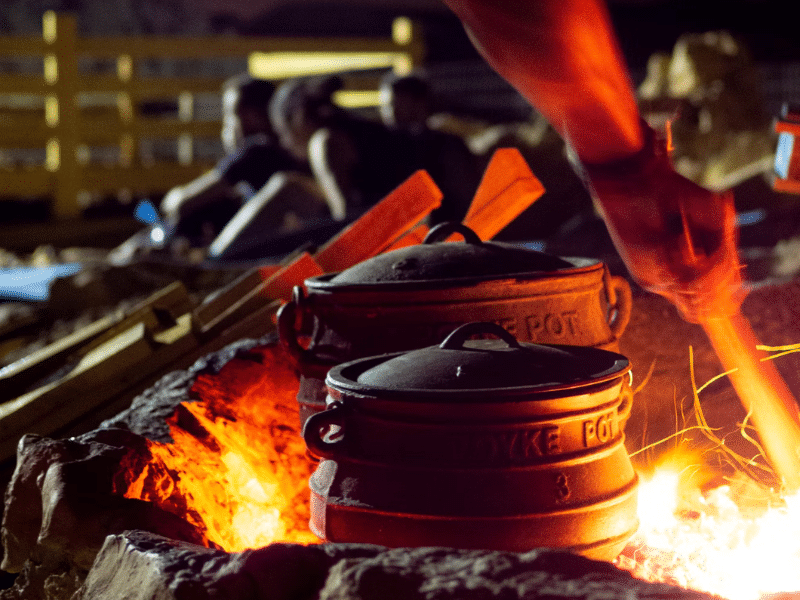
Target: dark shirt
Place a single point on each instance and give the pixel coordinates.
(452, 166)
(255, 161)
(385, 159)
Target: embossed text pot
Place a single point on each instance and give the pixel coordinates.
(413, 297)
(488, 443)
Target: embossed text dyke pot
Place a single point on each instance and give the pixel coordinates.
(484, 443)
(413, 297)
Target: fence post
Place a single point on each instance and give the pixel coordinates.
(126, 111)
(407, 32)
(61, 74)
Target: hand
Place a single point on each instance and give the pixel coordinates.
(676, 238)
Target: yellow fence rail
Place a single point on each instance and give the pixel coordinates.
(65, 109)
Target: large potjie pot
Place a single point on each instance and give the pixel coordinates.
(413, 297)
(487, 443)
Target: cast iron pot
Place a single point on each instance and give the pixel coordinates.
(413, 297)
(487, 443)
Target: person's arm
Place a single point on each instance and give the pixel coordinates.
(332, 157)
(677, 239)
(562, 55)
(197, 194)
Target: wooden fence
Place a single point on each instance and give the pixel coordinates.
(66, 108)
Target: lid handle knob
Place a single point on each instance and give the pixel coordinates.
(444, 230)
(455, 341)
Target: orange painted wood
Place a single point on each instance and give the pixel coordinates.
(411, 238)
(383, 224)
(508, 187)
(279, 285)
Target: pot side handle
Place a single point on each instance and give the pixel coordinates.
(288, 329)
(620, 304)
(625, 404)
(318, 423)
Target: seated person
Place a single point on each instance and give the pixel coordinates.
(406, 105)
(356, 161)
(198, 210)
(290, 202)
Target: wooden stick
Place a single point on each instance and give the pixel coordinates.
(254, 290)
(382, 225)
(508, 188)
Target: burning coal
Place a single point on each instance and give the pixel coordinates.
(237, 469)
(737, 541)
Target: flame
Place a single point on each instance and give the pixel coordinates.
(739, 541)
(722, 531)
(237, 469)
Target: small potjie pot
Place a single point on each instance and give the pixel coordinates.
(413, 297)
(487, 443)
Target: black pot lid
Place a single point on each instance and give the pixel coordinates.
(465, 365)
(432, 261)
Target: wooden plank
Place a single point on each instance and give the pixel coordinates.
(157, 312)
(786, 186)
(141, 179)
(254, 325)
(23, 129)
(213, 307)
(31, 412)
(22, 45)
(95, 129)
(378, 228)
(110, 369)
(150, 87)
(219, 46)
(251, 292)
(411, 238)
(25, 183)
(166, 128)
(23, 84)
(19, 375)
(508, 187)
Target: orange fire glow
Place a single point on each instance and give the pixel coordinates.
(763, 393)
(237, 469)
(738, 539)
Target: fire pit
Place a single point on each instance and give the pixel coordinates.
(233, 395)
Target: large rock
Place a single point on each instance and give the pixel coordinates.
(62, 504)
(140, 566)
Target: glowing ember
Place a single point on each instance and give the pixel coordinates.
(716, 542)
(237, 469)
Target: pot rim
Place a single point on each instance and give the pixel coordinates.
(343, 377)
(582, 265)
